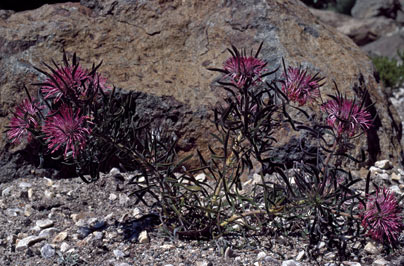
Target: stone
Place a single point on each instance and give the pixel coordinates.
(361, 31)
(95, 223)
(201, 177)
(372, 8)
(395, 177)
(396, 189)
(123, 199)
(114, 171)
(300, 256)
(380, 262)
(27, 242)
(290, 263)
(112, 197)
(383, 164)
(143, 237)
(386, 46)
(118, 253)
(98, 235)
(60, 237)
(48, 232)
(24, 185)
(44, 223)
(188, 38)
(48, 194)
(137, 213)
(30, 193)
(7, 191)
(261, 255)
(228, 253)
(64, 247)
(47, 251)
(373, 248)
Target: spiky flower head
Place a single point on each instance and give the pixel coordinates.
(346, 116)
(66, 128)
(72, 81)
(242, 68)
(299, 86)
(381, 216)
(24, 118)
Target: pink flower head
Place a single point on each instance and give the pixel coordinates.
(66, 128)
(242, 69)
(299, 86)
(72, 81)
(346, 116)
(381, 216)
(25, 118)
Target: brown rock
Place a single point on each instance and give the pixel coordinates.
(163, 48)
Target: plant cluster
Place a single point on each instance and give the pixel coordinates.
(389, 70)
(82, 121)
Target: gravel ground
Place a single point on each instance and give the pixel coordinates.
(47, 221)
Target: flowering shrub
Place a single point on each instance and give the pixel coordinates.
(80, 117)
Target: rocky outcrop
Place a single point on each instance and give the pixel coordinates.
(163, 48)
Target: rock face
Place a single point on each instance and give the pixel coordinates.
(162, 48)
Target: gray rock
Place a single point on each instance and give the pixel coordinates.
(300, 255)
(7, 191)
(118, 253)
(373, 248)
(290, 263)
(64, 247)
(98, 235)
(95, 223)
(47, 251)
(14, 211)
(28, 241)
(380, 262)
(24, 185)
(383, 164)
(261, 255)
(386, 46)
(48, 232)
(370, 8)
(44, 223)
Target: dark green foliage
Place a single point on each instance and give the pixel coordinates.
(389, 70)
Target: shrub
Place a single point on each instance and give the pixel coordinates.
(389, 70)
(82, 121)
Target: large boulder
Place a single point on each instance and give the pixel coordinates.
(163, 48)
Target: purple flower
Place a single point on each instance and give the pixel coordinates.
(346, 116)
(299, 86)
(381, 217)
(72, 81)
(242, 69)
(25, 118)
(66, 128)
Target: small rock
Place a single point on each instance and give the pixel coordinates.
(30, 193)
(400, 171)
(257, 178)
(49, 182)
(44, 223)
(167, 246)
(112, 196)
(7, 191)
(383, 164)
(114, 171)
(123, 199)
(118, 253)
(380, 262)
(143, 238)
(14, 211)
(98, 235)
(136, 213)
(24, 185)
(257, 263)
(122, 264)
(395, 177)
(373, 248)
(352, 263)
(321, 245)
(261, 255)
(47, 251)
(60, 237)
(64, 247)
(228, 253)
(28, 210)
(374, 170)
(384, 176)
(48, 194)
(300, 256)
(201, 177)
(48, 232)
(290, 263)
(84, 231)
(28, 241)
(95, 223)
